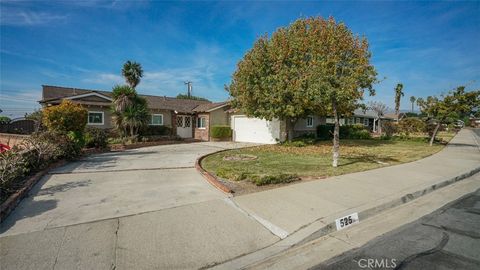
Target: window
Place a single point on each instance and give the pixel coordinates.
(309, 121)
(156, 120)
(365, 121)
(201, 122)
(95, 118)
(179, 121)
(357, 120)
(330, 120)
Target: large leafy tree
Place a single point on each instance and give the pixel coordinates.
(132, 72)
(313, 66)
(446, 108)
(398, 96)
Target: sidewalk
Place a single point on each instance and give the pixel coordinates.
(300, 213)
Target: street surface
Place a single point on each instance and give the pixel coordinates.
(449, 238)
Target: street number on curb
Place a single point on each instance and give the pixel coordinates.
(346, 221)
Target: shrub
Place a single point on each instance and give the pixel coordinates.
(65, 117)
(275, 179)
(12, 167)
(221, 132)
(96, 137)
(411, 125)
(36, 152)
(389, 128)
(155, 131)
(295, 143)
(325, 132)
(354, 132)
(41, 148)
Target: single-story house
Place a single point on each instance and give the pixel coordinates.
(187, 118)
(194, 119)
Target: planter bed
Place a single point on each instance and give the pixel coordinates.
(23, 187)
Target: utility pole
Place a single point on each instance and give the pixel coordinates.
(189, 88)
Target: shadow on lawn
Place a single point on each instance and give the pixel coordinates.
(368, 158)
(361, 143)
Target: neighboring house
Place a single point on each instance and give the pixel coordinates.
(187, 118)
(395, 117)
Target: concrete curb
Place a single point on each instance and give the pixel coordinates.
(9, 204)
(366, 213)
(326, 225)
(210, 177)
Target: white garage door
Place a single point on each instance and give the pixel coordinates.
(255, 130)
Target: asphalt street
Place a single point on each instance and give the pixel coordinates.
(449, 238)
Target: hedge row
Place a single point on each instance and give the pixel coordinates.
(221, 132)
(355, 132)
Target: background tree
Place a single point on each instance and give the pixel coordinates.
(449, 107)
(183, 96)
(380, 108)
(132, 72)
(398, 95)
(412, 100)
(4, 119)
(313, 66)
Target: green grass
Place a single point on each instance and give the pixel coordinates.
(315, 160)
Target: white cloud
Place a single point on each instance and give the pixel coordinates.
(20, 17)
(105, 79)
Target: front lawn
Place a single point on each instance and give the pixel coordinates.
(312, 161)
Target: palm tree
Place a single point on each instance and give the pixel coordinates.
(123, 96)
(412, 100)
(136, 115)
(398, 95)
(133, 72)
(118, 123)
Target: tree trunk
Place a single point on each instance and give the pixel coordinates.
(336, 135)
(379, 126)
(290, 128)
(434, 133)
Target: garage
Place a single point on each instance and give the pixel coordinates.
(255, 130)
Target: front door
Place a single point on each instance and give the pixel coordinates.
(184, 126)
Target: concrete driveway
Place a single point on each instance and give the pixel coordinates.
(140, 208)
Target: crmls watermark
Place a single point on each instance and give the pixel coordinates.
(373, 263)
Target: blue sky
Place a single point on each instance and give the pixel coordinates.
(430, 47)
